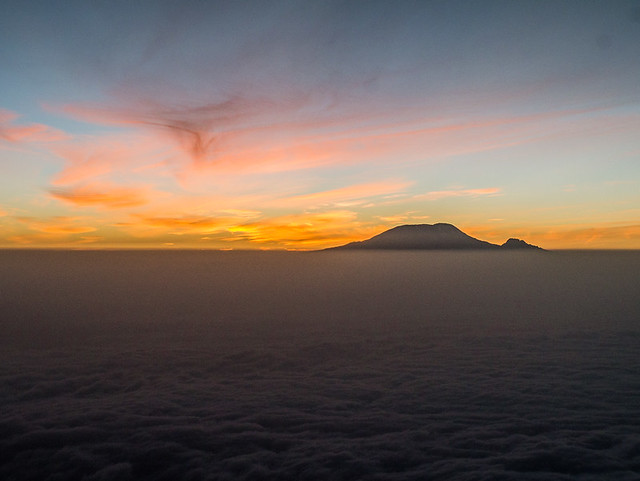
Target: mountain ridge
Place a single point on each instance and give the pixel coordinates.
(440, 236)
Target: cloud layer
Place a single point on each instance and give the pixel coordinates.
(404, 409)
(201, 365)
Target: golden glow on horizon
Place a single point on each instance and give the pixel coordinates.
(292, 232)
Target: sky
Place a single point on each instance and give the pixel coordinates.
(303, 125)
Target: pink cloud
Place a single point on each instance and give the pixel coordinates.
(242, 135)
(197, 129)
(90, 158)
(13, 133)
(375, 144)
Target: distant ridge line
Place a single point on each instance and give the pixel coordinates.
(440, 236)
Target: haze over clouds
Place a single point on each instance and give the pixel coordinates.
(294, 110)
(193, 365)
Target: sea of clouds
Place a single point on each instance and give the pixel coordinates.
(372, 366)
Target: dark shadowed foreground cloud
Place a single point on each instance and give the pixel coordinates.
(194, 366)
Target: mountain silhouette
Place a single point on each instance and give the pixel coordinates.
(431, 236)
(518, 244)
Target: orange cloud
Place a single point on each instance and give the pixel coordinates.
(26, 133)
(191, 222)
(51, 240)
(102, 195)
(25, 240)
(57, 230)
(186, 225)
(66, 229)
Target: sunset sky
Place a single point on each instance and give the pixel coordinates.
(303, 125)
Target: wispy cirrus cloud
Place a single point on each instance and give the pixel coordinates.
(104, 157)
(405, 217)
(343, 196)
(200, 129)
(113, 171)
(51, 240)
(57, 225)
(241, 135)
(13, 132)
(443, 194)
